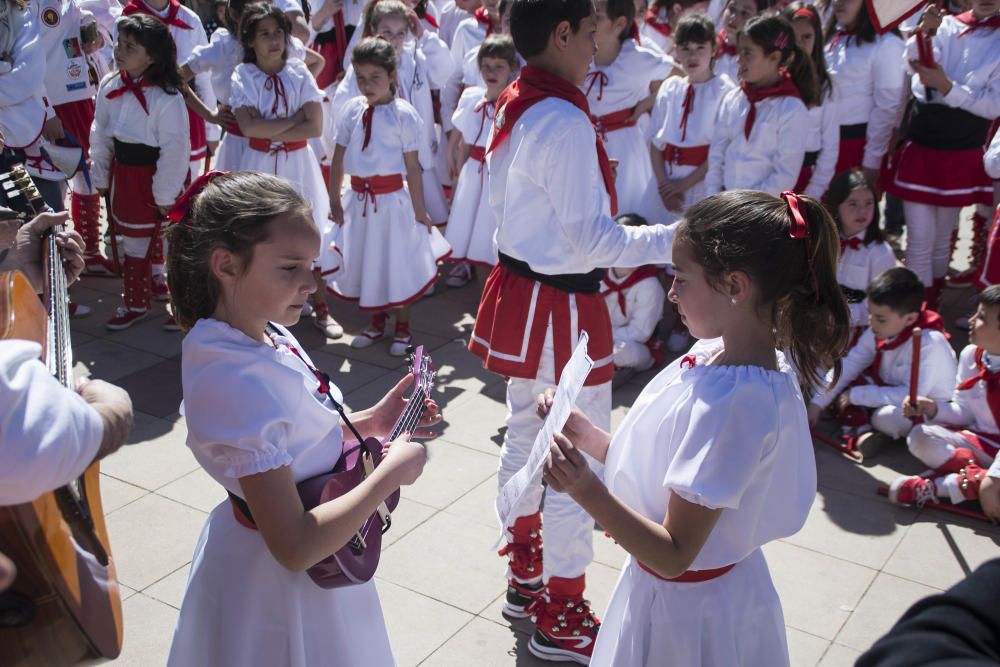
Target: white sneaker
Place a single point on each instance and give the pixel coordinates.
(330, 327)
(367, 338)
(459, 276)
(400, 345)
(79, 310)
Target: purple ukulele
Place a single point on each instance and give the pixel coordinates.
(356, 561)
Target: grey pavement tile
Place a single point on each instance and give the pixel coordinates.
(348, 374)
(125, 591)
(170, 589)
(151, 538)
(443, 317)
(863, 530)
(804, 649)
(839, 656)
(608, 552)
(477, 504)
(450, 472)
(149, 336)
(477, 423)
(155, 456)
(102, 304)
(460, 374)
(407, 516)
(940, 549)
(834, 590)
(196, 489)
(368, 395)
(149, 629)
(836, 471)
(488, 645)
(155, 390)
(116, 493)
(413, 641)
(110, 361)
(416, 562)
(879, 609)
(99, 285)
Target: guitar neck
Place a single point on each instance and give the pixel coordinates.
(410, 417)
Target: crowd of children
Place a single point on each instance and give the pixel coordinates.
(387, 143)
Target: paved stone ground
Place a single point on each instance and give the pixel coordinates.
(855, 567)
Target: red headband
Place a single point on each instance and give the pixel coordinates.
(799, 229)
(184, 202)
(805, 13)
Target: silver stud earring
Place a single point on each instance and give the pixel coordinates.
(733, 301)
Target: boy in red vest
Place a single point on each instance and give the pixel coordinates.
(960, 437)
(876, 372)
(552, 189)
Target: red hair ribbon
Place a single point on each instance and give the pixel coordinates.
(186, 200)
(799, 229)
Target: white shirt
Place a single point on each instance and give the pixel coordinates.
(22, 87)
(936, 375)
(668, 110)
(451, 17)
(823, 138)
(49, 435)
(732, 437)
(165, 126)
(250, 407)
(627, 79)
(870, 81)
(474, 117)
(968, 409)
(396, 129)
(771, 159)
(545, 184)
(469, 34)
(643, 309)
(971, 61)
(992, 158)
(858, 268)
(67, 76)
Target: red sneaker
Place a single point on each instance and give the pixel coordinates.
(160, 290)
(124, 318)
(912, 491)
(524, 564)
(565, 628)
(960, 458)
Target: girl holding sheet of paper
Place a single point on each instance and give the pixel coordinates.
(714, 459)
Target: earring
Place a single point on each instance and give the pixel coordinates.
(733, 301)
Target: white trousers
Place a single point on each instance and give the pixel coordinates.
(889, 419)
(632, 354)
(567, 528)
(934, 445)
(928, 239)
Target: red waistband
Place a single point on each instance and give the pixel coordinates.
(268, 146)
(685, 155)
(241, 518)
(691, 576)
(477, 153)
(377, 185)
(234, 129)
(614, 121)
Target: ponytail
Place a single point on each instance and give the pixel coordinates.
(795, 277)
(772, 33)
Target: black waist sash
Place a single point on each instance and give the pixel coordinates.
(810, 159)
(136, 155)
(945, 128)
(852, 295)
(586, 283)
(856, 131)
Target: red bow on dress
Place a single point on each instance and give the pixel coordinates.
(129, 85)
(598, 77)
(140, 7)
(274, 83)
(785, 87)
(532, 86)
(688, 106)
(366, 122)
(853, 243)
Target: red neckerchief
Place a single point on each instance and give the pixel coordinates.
(483, 17)
(637, 276)
(973, 24)
(842, 32)
(688, 106)
(722, 47)
(140, 7)
(366, 122)
(992, 381)
(654, 22)
(275, 84)
(483, 107)
(130, 86)
(634, 33)
(784, 88)
(430, 19)
(532, 86)
(854, 243)
(598, 77)
(928, 320)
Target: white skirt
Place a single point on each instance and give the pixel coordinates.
(230, 153)
(732, 621)
(437, 205)
(692, 196)
(243, 608)
(388, 259)
(472, 224)
(301, 169)
(634, 174)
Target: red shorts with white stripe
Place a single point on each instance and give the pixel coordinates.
(990, 275)
(951, 178)
(196, 124)
(76, 118)
(513, 316)
(132, 202)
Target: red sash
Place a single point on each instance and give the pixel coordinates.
(532, 86)
(637, 276)
(140, 7)
(477, 153)
(691, 576)
(928, 320)
(691, 156)
(616, 120)
(268, 146)
(785, 87)
(370, 186)
(992, 381)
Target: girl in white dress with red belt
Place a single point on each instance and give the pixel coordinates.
(261, 419)
(472, 224)
(620, 89)
(714, 459)
(389, 246)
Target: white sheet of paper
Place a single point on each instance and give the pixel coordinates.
(515, 490)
